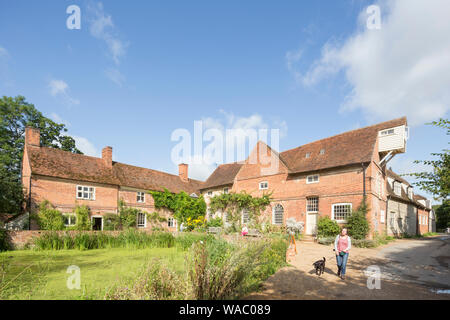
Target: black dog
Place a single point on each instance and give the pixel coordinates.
(320, 266)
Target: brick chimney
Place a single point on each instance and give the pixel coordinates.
(107, 156)
(32, 137)
(183, 172)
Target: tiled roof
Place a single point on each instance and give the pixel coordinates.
(352, 147)
(347, 148)
(62, 164)
(395, 176)
(223, 175)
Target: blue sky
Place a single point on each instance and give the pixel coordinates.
(136, 71)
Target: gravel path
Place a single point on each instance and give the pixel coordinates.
(410, 269)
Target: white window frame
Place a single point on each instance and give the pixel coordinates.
(89, 192)
(396, 183)
(97, 216)
(308, 155)
(312, 175)
(273, 215)
(226, 190)
(209, 193)
(340, 204)
(322, 151)
(245, 213)
(174, 222)
(139, 225)
(142, 195)
(410, 193)
(317, 204)
(387, 132)
(382, 218)
(70, 217)
(264, 188)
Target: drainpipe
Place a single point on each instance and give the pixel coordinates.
(364, 181)
(386, 214)
(29, 205)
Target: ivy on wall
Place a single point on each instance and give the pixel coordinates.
(233, 204)
(182, 205)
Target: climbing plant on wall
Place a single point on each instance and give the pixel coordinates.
(181, 204)
(233, 204)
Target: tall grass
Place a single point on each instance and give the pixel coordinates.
(215, 270)
(99, 240)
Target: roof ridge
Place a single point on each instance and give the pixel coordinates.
(345, 132)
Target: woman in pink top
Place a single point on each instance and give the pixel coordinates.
(342, 246)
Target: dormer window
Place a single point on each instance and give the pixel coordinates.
(322, 151)
(410, 193)
(308, 154)
(263, 185)
(397, 188)
(225, 190)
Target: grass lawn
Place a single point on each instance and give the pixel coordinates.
(42, 274)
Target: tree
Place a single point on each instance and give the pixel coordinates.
(442, 215)
(15, 115)
(436, 181)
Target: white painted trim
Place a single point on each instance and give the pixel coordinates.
(97, 216)
(265, 187)
(137, 194)
(312, 175)
(145, 220)
(273, 214)
(340, 204)
(85, 186)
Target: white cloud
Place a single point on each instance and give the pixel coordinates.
(55, 117)
(60, 89)
(115, 76)
(102, 27)
(401, 69)
(201, 166)
(3, 52)
(85, 146)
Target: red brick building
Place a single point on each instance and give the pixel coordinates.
(328, 177)
(67, 179)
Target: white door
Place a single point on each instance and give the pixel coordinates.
(311, 223)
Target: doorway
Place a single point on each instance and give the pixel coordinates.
(311, 223)
(97, 223)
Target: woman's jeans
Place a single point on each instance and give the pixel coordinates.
(342, 262)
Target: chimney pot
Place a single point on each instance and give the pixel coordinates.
(107, 156)
(32, 136)
(183, 172)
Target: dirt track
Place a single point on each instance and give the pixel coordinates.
(410, 269)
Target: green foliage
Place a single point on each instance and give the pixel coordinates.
(327, 227)
(233, 204)
(155, 282)
(185, 240)
(215, 222)
(357, 224)
(15, 115)
(130, 238)
(83, 222)
(443, 215)
(436, 181)
(111, 222)
(364, 243)
(181, 204)
(48, 218)
(128, 215)
(4, 240)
